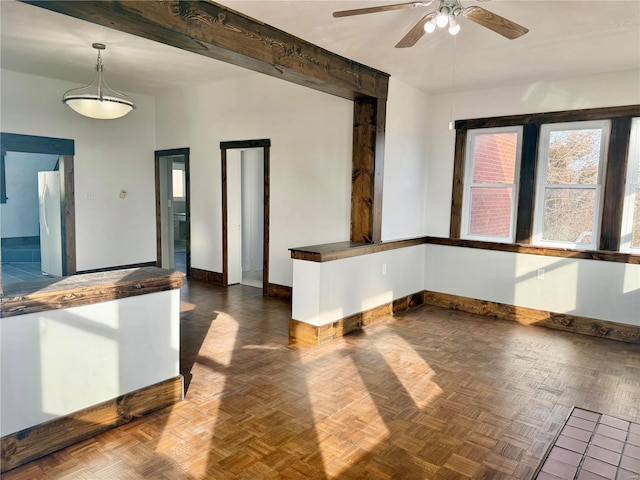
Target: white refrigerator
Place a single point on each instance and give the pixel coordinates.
(50, 223)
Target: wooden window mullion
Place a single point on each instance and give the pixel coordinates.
(458, 184)
(527, 183)
(614, 184)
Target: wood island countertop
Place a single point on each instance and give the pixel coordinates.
(86, 289)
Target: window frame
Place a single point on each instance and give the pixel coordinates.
(469, 184)
(542, 186)
(613, 181)
(632, 184)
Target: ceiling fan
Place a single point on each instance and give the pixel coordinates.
(446, 14)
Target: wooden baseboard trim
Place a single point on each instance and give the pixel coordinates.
(529, 316)
(214, 278)
(410, 301)
(306, 334)
(35, 442)
(279, 291)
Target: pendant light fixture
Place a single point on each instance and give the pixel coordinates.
(98, 100)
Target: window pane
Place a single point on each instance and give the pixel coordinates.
(494, 157)
(635, 226)
(574, 156)
(569, 215)
(491, 211)
(178, 183)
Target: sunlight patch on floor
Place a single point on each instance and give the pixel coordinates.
(413, 372)
(186, 306)
(336, 404)
(224, 341)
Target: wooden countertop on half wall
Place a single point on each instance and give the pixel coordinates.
(85, 289)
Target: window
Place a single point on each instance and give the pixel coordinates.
(630, 239)
(492, 163)
(554, 183)
(569, 186)
(178, 181)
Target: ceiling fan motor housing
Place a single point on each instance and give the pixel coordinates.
(450, 7)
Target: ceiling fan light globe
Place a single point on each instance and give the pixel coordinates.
(442, 20)
(454, 26)
(430, 26)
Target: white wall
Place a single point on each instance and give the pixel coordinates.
(583, 287)
(57, 362)
(252, 209)
(311, 135)
(614, 89)
(20, 216)
(329, 291)
(111, 155)
(588, 288)
(403, 199)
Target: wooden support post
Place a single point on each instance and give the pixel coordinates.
(369, 116)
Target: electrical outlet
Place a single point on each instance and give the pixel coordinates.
(88, 196)
(384, 269)
(540, 274)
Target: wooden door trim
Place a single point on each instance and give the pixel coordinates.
(265, 144)
(169, 153)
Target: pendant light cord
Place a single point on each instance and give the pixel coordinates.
(99, 69)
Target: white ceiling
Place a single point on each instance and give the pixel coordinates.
(566, 39)
(40, 42)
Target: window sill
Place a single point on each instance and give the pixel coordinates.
(340, 250)
(604, 255)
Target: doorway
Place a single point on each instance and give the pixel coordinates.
(37, 208)
(245, 213)
(173, 211)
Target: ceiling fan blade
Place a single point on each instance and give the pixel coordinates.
(381, 8)
(416, 33)
(492, 21)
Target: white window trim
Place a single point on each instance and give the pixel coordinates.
(630, 189)
(541, 186)
(468, 184)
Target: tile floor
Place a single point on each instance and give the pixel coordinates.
(21, 263)
(180, 261)
(13, 273)
(592, 446)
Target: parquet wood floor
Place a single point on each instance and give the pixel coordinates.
(431, 393)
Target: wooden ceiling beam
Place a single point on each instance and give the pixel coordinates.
(212, 30)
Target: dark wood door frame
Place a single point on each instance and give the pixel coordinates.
(265, 144)
(65, 149)
(158, 154)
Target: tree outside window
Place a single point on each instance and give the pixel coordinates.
(569, 185)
